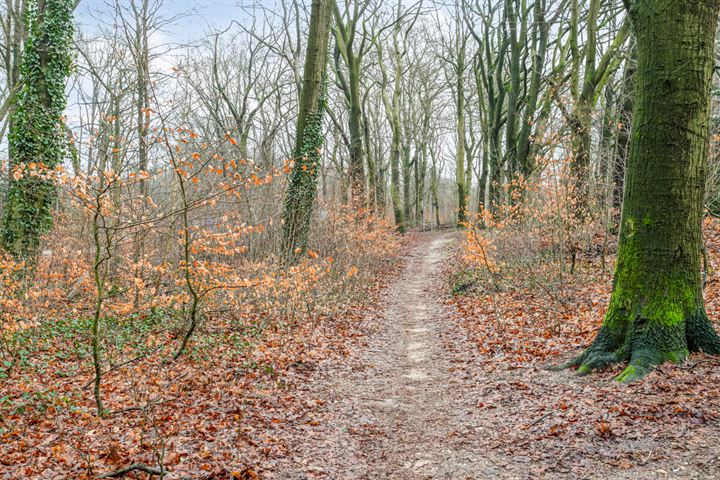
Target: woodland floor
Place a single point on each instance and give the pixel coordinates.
(417, 385)
(415, 399)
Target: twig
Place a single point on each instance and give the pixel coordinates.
(690, 366)
(135, 466)
(539, 420)
(127, 362)
(140, 408)
(707, 209)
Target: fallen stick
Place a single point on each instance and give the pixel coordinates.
(539, 420)
(135, 466)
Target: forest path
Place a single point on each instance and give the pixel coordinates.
(397, 407)
(415, 400)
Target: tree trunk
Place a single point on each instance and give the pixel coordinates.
(511, 119)
(483, 179)
(395, 177)
(357, 160)
(495, 113)
(421, 165)
(381, 183)
(142, 66)
(656, 310)
(623, 136)
(15, 36)
(460, 132)
(406, 180)
(541, 32)
(607, 145)
(585, 94)
(371, 167)
(308, 143)
(434, 185)
(345, 31)
(581, 128)
(392, 112)
(37, 138)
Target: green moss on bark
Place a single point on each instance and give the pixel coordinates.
(656, 311)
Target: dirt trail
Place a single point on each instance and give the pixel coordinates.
(397, 408)
(415, 400)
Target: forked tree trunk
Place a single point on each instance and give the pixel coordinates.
(656, 310)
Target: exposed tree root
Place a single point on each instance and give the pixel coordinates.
(593, 360)
(604, 351)
(646, 345)
(701, 336)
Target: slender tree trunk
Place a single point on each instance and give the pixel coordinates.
(494, 170)
(406, 181)
(511, 122)
(395, 175)
(460, 132)
(656, 310)
(434, 199)
(381, 178)
(623, 137)
(142, 112)
(421, 167)
(581, 128)
(585, 94)
(16, 34)
(371, 167)
(357, 161)
(392, 112)
(495, 114)
(483, 179)
(607, 145)
(142, 65)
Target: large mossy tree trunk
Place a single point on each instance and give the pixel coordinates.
(37, 137)
(656, 310)
(302, 189)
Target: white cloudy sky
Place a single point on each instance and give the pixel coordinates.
(197, 17)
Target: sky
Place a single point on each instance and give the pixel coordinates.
(196, 18)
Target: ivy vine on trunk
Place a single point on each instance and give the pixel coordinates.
(37, 138)
(302, 188)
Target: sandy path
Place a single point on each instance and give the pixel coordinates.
(415, 400)
(396, 408)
